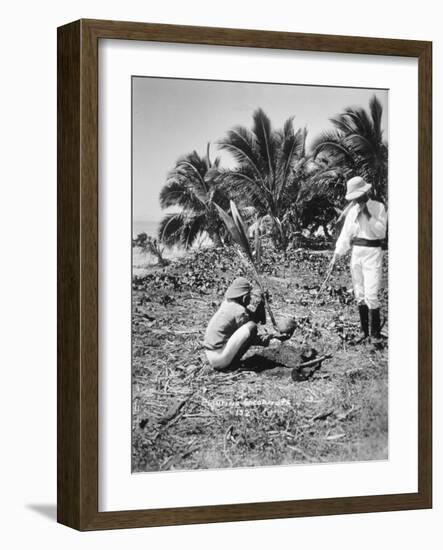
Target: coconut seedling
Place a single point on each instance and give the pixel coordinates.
(239, 233)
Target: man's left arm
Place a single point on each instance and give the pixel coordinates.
(378, 219)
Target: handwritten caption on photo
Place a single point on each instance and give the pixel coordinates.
(242, 407)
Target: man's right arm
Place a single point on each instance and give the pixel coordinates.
(348, 231)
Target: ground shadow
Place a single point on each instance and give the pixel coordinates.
(49, 511)
(259, 363)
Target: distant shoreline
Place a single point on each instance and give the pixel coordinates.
(144, 262)
(150, 227)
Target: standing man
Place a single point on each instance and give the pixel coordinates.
(364, 230)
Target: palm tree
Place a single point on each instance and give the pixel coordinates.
(192, 186)
(357, 140)
(266, 159)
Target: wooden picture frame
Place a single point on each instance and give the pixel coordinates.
(77, 456)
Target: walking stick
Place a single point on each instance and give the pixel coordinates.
(329, 272)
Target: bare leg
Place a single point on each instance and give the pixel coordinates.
(235, 348)
(246, 345)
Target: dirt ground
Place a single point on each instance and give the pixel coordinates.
(187, 416)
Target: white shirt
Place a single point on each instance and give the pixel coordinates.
(361, 226)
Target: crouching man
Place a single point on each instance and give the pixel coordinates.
(364, 230)
(233, 328)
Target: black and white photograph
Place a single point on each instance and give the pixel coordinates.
(259, 274)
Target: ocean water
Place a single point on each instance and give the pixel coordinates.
(148, 227)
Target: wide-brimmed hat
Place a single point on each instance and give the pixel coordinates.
(356, 187)
(239, 287)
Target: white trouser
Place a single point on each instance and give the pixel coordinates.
(221, 358)
(366, 271)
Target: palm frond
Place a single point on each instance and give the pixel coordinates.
(242, 144)
(360, 144)
(288, 153)
(343, 124)
(230, 224)
(181, 229)
(198, 163)
(169, 230)
(288, 127)
(187, 183)
(334, 146)
(304, 135)
(242, 230)
(360, 122)
(266, 142)
(327, 137)
(194, 226)
(376, 114)
(178, 192)
(188, 170)
(244, 186)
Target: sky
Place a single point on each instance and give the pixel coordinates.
(173, 117)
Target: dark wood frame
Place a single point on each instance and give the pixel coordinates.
(77, 456)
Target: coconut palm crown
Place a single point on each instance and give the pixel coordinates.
(192, 187)
(265, 166)
(357, 139)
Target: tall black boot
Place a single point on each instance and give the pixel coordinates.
(375, 326)
(364, 319)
